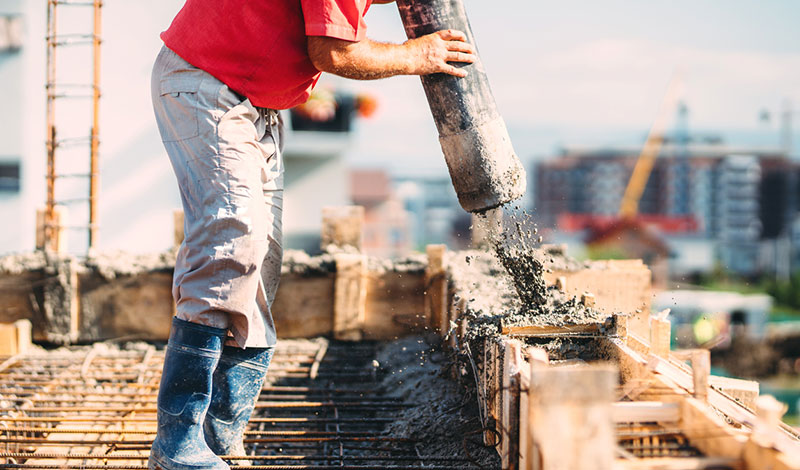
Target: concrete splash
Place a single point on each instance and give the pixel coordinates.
(505, 286)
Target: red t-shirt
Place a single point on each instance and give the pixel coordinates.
(259, 47)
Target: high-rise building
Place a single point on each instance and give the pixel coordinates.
(734, 196)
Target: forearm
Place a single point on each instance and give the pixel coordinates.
(362, 60)
(370, 60)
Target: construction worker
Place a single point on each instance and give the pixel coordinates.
(225, 70)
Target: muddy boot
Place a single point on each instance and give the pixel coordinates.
(183, 398)
(237, 385)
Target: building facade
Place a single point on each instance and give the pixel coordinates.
(737, 197)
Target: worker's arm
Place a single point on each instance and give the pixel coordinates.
(370, 60)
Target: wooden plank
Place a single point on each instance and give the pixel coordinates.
(766, 434)
(743, 391)
(660, 336)
(139, 305)
(701, 370)
(497, 403)
(679, 463)
(548, 330)
(616, 325)
(58, 243)
(509, 429)
(350, 296)
(645, 411)
(435, 286)
(524, 461)
(617, 285)
(570, 417)
(15, 338)
(450, 328)
(707, 431)
(537, 357)
(488, 386)
(395, 305)
(342, 226)
(303, 306)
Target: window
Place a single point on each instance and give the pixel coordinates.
(9, 177)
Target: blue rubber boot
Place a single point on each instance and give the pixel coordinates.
(237, 384)
(184, 395)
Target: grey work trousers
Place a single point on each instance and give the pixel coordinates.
(226, 155)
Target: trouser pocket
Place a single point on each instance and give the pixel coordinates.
(176, 109)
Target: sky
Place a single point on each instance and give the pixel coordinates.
(594, 73)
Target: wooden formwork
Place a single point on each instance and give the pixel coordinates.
(633, 407)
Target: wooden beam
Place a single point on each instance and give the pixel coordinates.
(743, 391)
(570, 417)
(701, 370)
(435, 287)
(524, 461)
(15, 338)
(548, 330)
(510, 417)
(342, 226)
(615, 325)
(660, 336)
(395, 304)
(494, 349)
(645, 411)
(350, 296)
(537, 359)
(679, 463)
(59, 243)
(766, 436)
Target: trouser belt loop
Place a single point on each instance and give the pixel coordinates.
(270, 116)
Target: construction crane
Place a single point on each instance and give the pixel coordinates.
(629, 208)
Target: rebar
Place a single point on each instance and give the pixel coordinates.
(92, 408)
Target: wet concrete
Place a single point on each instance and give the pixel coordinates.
(504, 285)
(445, 417)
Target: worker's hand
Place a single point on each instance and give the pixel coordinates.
(433, 52)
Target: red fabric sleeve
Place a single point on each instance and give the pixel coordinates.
(341, 19)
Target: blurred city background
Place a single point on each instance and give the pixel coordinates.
(715, 85)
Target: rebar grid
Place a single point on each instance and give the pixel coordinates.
(87, 408)
(652, 440)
